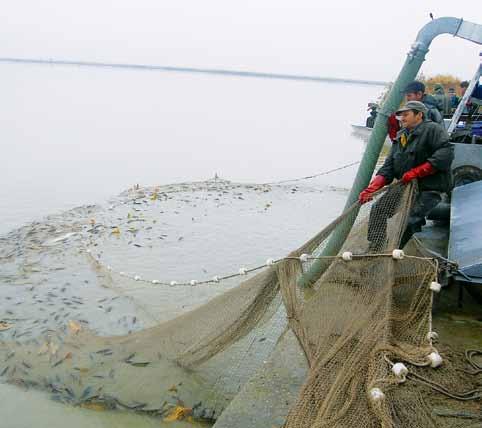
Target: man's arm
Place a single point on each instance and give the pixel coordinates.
(435, 116)
(443, 152)
(387, 168)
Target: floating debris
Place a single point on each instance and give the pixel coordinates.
(4, 325)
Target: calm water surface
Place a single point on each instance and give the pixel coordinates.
(72, 136)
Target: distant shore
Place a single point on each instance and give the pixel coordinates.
(218, 71)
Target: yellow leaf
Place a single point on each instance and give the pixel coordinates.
(178, 414)
(4, 325)
(93, 406)
(44, 349)
(53, 348)
(74, 327)
(115, 231)
(172, 388)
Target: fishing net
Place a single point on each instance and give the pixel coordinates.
(365, 312)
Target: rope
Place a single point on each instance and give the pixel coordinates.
(308, 177)
(469, 355)
(451, 265)
(242, 271)
(474, 394)
(216, 179)
(270, 262)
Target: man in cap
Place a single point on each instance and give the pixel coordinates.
(415, 91)
(420, 151)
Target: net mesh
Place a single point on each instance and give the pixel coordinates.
(358, 318)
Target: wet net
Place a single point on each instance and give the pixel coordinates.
(366, 311)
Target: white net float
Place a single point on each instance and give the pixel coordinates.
(399, 370)
(435, 359)
(376, 394)
(398, 254)
(347, 256)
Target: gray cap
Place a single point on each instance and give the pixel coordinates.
(413, 105)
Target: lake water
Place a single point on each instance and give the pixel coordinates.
(73, 136)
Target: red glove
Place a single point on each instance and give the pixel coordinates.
(418, 172)
(377, 183)
(393, 126)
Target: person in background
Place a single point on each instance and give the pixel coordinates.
(463, 87)
(373, 107)
(472, 106)
(443, 101)
(477, 92)
(454, 99)
(415, 91)
(420, 151)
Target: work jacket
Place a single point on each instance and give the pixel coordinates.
(443, 101)
(433, 113)
(427, 142)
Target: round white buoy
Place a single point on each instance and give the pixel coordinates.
(399, 370)
(398, 254)
(347, 256)
(432, 335)
(435, 359)
(376, 394)
(270, 262)
(193, 282)
(304, 257)
(243, 271)
(435, 286)
(155, 281)
(173, 283)
(216, 278)
(137, 278)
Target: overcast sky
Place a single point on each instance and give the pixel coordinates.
(344, 38)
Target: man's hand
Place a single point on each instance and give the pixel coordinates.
(418, 172)
(377, 183)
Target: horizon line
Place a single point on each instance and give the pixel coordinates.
(194, 70)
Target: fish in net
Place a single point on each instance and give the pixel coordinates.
(359, 318)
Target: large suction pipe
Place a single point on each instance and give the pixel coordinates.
(455, 26)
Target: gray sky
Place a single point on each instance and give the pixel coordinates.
(347, 38)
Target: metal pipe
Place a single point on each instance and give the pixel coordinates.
(415, 57)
